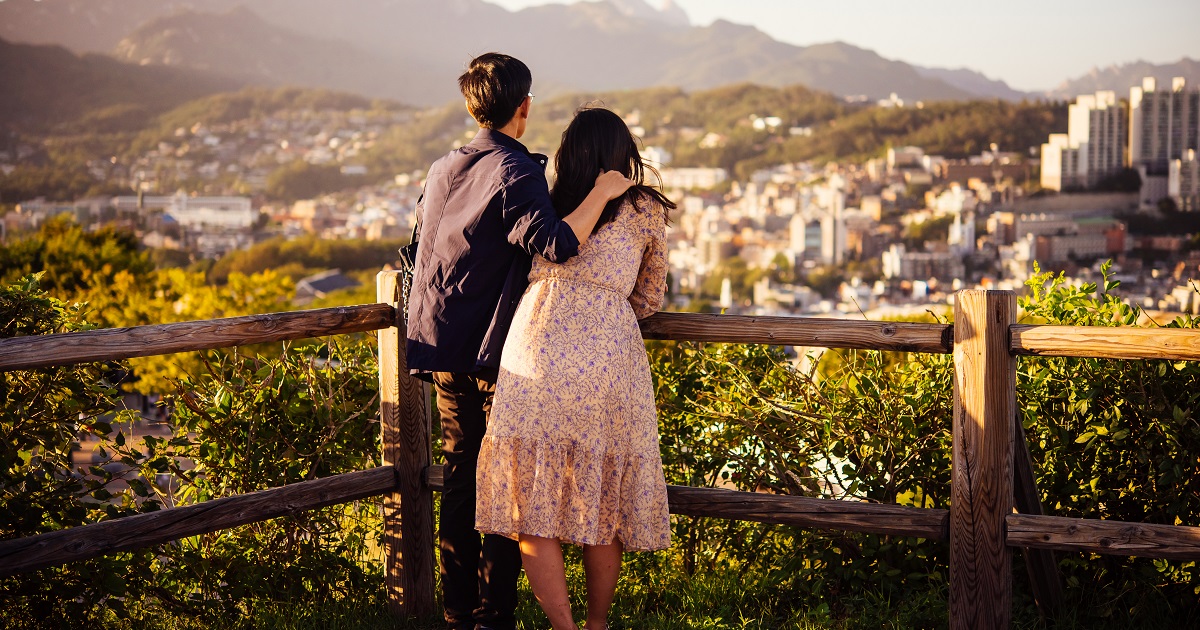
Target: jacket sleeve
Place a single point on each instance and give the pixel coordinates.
(532, 223)
(650, 290)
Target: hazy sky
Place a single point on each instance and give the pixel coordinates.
(1032, 44)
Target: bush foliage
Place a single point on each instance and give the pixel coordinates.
(1115, 440)
(45, 414)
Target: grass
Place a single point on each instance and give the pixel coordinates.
(670, 600)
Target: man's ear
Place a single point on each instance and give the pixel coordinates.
(525, 107)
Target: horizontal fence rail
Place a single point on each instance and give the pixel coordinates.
(1029, 340)
(153, 528)
(801, 331)
(1172, 542)
(20, 353)
(1103, 342)
(779, 509)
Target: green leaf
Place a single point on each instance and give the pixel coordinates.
(113, 584)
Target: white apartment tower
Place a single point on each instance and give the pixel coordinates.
(1102, 150)
(1093, 147)
(1163, 125)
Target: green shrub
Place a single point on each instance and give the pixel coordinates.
(45, 414)
(1110, 439)
(1116, 440)
(741, 416)
(250, 423)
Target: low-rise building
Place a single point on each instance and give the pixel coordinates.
(900, 264)
(689, 178)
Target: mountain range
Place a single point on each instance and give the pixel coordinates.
(412, 50)
(49, 85)
(1122, 77)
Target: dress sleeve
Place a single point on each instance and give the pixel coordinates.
(650, 289)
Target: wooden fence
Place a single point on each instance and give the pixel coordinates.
(994, 505)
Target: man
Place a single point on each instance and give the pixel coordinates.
(484, 213)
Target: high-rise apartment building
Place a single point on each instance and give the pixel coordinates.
(1093, 147)
(1163, 125)
(1102, 151)
(1184, 182)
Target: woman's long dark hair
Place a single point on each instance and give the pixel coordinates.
(598, 140)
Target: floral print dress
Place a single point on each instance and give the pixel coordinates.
(571, 450)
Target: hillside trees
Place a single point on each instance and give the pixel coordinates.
(301, 180)
(116, 285)
(306, 255)
(952, 129)
(253, 105)
(678, 121)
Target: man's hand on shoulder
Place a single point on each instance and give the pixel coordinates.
(612, 184)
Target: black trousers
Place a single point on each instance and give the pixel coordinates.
(479, 578)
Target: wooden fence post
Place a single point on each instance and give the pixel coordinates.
(985, 380)
(407, 511)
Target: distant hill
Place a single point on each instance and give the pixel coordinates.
(240, 44)
(975, 83)
(414, 49)
(680, 121)
(49, 86)
(1122, 77)
(79, 25)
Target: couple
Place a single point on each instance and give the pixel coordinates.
(556, 440)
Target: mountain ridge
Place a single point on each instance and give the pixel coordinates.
(592, 46)
(1120, 77)
(49, 85)
(231, 44)
(425, 43)
(975, 82)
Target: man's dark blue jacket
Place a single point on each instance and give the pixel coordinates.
(485, 212)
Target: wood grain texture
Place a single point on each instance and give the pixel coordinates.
(853, 516)
(146, 530)
(982, 462)
(1106, 342)
(800, 331)
(1040, 564)
(142, 341)
(1118, 538)
(408, 511)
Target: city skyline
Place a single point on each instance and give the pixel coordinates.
(1037, 45)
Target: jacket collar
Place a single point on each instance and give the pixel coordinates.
(491, 137)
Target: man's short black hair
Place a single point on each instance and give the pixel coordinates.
(494, 86)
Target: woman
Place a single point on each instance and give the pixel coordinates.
(571, 451)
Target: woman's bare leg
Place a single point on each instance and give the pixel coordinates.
(543, 560)
(602, 566)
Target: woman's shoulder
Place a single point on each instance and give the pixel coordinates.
(645, 204)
